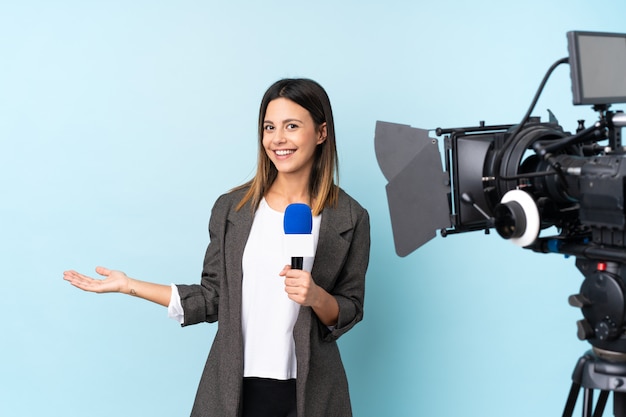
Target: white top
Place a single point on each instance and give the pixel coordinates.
(268, 315)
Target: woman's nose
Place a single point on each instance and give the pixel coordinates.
(279, 136)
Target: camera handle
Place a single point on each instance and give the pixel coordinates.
(615, 122)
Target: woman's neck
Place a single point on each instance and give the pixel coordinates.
(283, 193)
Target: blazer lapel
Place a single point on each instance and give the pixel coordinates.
(237, 231)
(332, 247)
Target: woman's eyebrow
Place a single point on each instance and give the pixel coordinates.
(284, 121)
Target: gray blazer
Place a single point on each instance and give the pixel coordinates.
(340, 265)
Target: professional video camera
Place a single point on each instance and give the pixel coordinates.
(522, 179)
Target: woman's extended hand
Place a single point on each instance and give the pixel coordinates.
(114, 281)
(117, 281)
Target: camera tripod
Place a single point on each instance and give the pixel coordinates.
(598, 370)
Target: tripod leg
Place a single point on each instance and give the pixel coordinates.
(619, 404)
(571, 400)
(604, 395)
(588, 402)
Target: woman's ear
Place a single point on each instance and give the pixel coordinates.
(323, 132)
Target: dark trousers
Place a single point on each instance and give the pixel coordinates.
(269, 397)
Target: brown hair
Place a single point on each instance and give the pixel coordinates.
(325, 173)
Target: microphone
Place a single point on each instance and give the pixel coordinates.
(298, 242)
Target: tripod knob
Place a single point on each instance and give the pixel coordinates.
(578, 300)
(585, 331)
(606, 329)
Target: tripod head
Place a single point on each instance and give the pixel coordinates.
(603, 304)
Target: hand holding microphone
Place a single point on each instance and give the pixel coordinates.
(299, 284)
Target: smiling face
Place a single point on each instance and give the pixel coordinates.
(290, 137)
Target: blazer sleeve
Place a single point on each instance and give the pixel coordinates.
(349, 289)
(201, 301)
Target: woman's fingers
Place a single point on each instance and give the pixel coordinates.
(87, 283)
(78, 280)
(103, 271)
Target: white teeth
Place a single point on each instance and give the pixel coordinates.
(284, 152)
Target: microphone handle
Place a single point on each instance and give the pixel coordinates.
(296, 262)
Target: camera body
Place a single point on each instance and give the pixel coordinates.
(577, 188)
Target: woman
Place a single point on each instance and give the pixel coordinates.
(275, 351)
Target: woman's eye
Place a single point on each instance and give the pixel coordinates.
(292, 126)
(268, 127)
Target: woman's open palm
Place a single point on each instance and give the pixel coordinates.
(114, 281)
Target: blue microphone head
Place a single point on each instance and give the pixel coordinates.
(298, 219)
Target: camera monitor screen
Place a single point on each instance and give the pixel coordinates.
(598, 67)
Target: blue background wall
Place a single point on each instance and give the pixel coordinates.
(121, 122)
